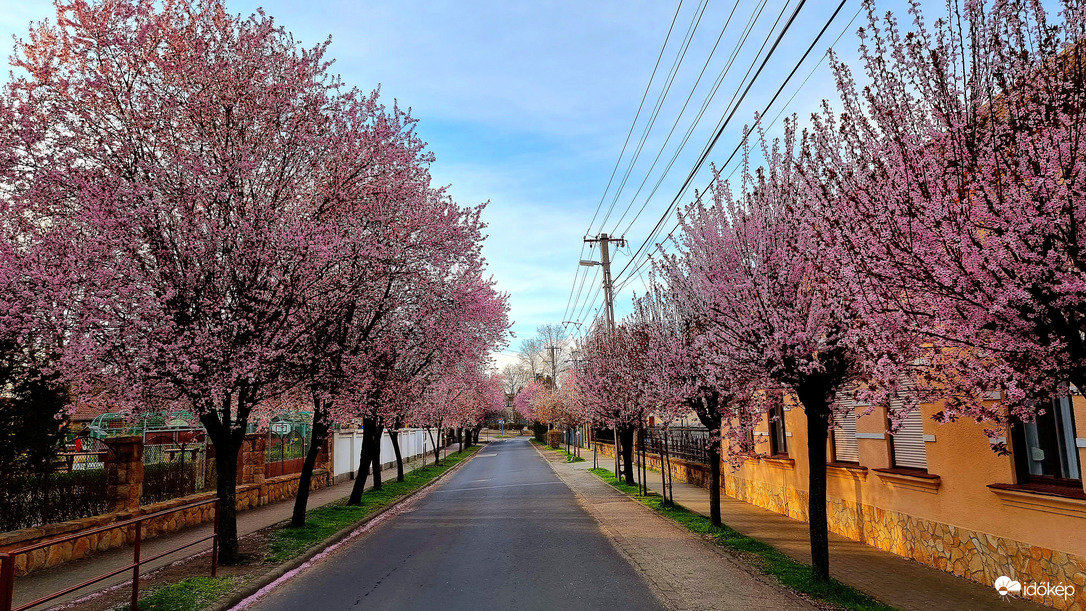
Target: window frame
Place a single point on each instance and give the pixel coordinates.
(1019, 447)
(778, 433)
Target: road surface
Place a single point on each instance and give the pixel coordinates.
(503, 532)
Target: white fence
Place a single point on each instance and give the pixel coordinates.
(348, 444)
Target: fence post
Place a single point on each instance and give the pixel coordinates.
(7, 581)
(136, 567)
(124, 473)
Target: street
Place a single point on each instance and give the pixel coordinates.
(503, 532)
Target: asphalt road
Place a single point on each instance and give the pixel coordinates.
(503, 532)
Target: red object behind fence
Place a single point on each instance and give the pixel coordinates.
(7, 559)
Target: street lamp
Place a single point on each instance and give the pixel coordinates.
(588, 263)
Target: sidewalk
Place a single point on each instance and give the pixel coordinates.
(683, 571)
(43, 583)
(896, 581)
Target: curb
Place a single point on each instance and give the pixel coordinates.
(270, 576)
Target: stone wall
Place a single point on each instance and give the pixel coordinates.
(980, 557)
(124, 477)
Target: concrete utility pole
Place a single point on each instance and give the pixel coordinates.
(604, 241)
(554, 364)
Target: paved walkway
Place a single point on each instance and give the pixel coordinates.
(684, 571)
(896, 581)
(42, 583)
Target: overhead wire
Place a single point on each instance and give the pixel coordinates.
(679, 56)
(621, 283)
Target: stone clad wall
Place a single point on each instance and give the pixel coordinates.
(974, 555)
(124, 477)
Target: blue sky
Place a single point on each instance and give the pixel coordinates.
(527, 105)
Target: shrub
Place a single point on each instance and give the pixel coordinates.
(540, 431)
(554, 439)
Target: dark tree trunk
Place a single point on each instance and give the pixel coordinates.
(377, 457)
(626, 434)
(227, 443)
(317, 438)
(460, 437)
(709, 414)
(437, 450)
(394, 437)
(365, 460)
(817, 434)
(226, 469)
(714, 481)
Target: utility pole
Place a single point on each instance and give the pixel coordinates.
(604, 241)
(554, 366)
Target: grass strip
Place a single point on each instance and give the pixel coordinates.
(569, 457)
(766, 558)
(323, 522)
(192, 593)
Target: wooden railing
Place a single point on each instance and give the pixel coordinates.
(7, 559)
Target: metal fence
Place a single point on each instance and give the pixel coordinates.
(284, 452)
(175, 464)
(72, 487)
(686, 443)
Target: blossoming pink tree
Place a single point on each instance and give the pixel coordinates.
(951, 192)
(181, 154)
(612, 380)
(779, 321)
(685, 373)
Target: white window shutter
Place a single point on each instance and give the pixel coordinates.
(909, 450)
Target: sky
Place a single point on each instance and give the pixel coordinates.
(531, 106)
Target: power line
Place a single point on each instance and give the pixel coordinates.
(644, 96)
(720, 132)
(680, 55)
(701, 112)
(643, 262)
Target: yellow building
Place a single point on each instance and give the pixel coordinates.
(937, 493)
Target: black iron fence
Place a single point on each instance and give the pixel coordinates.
(686, 443)
(71, 487)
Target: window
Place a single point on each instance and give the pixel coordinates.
(778, 440)
(1045, 448)
(908, 441)
(845, 448)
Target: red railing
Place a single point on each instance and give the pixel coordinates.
(7, 559)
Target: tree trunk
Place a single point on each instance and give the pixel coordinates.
(378, 433)
(437, 450)
(364, 461)
(665, 470)
(708, 411)
(817, 434)
(226, 470)
(714, 481)
(226, 441)
(626, 432)
(460, 437)
(394, 437)
(317, 438)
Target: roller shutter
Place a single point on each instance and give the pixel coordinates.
(844, 435)
(908, 441)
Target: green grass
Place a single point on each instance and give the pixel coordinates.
(189, 595)
(569, 457)
(323, 522)
(766, 558)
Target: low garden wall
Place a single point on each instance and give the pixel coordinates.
(125, 481)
